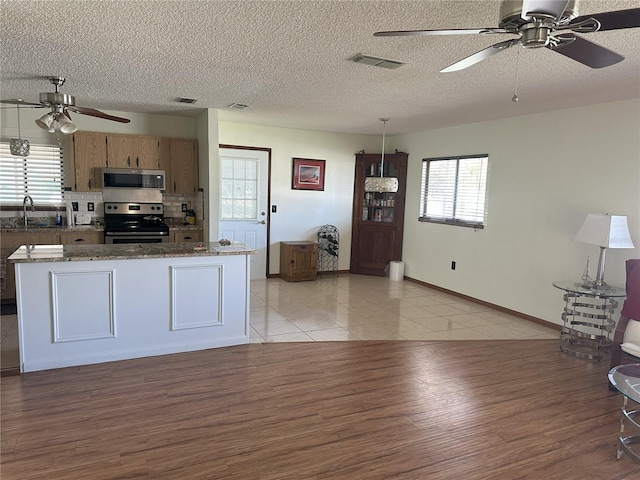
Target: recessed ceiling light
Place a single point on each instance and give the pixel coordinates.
(238, 106)
(187, 100)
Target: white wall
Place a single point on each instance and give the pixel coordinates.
(207, 134)
(301, 212)
(546, 173)
(141, 124)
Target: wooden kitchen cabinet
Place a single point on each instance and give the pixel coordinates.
(185, 236)
(133, 151)
(378, 218)
(298, 261)
(89, 151)
(9, 242)
(179, 160)
(76, 238)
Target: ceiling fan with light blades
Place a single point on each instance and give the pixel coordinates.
(58, 118)
(543, 23)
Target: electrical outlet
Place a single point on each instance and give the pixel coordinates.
(90, 207)
(453, 265)
(184, 207)
(74, 206)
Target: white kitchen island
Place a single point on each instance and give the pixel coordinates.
(83, 304)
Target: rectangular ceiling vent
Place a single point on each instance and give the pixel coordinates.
(377, 61)
(187, 100)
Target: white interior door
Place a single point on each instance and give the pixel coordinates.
(244, 176)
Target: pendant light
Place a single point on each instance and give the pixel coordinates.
(19, 146)
(381, 184)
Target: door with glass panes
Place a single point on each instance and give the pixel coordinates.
(244, 174)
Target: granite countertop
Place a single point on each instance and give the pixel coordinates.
(126, 251)
(52, 229)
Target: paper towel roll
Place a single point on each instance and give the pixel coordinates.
(70, 222)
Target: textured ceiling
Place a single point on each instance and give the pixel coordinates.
(290, 61)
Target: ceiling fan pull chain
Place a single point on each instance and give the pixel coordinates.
(515, 88)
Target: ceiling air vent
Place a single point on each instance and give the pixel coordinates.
(238, 106)
(377, 61)
(187, 100)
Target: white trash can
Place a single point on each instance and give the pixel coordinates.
(396, 270)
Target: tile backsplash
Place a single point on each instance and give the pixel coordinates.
(172, 206)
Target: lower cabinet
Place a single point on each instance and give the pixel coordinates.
(10, 241)
(77, 238)
(298, 261)
(185, 236)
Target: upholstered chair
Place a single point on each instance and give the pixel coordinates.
(626, 339)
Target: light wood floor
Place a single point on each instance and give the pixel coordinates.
(496, 409)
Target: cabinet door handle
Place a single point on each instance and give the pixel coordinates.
(137, 161)
(174, 187)
(89, 184)
(79, 239)
(187, 238)
(129, 161)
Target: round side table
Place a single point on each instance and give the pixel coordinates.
(587, 319)
(626, 378)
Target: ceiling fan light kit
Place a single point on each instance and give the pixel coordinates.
(551, 24)
(58, 118)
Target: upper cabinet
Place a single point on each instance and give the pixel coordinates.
(93, 151)
(133, 151)
(378, 217)
(89, 151)
(179, 157)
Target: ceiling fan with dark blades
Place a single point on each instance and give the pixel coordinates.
(58, 119)
(543, 23)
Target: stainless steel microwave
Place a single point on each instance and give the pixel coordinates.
(133, 178)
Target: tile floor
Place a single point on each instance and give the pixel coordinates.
(353, 307)
(361, 307)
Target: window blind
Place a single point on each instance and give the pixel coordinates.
(454, 190)
(39, 175)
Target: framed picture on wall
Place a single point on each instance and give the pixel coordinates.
(307, 174)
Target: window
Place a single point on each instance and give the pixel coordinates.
(453, 190)
(239, 189)
(39, 175)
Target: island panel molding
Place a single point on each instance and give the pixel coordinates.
(196, 296)
(77, 318)
(141, 300)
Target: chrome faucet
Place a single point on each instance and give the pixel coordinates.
(24, 208)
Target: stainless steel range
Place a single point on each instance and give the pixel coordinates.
(126, 222)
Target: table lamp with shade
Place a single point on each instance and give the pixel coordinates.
(606, 231)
